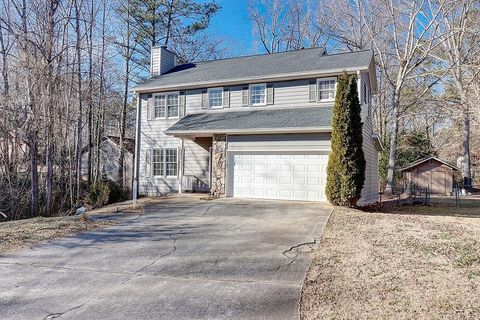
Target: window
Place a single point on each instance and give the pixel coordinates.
(158, 162)
(172, 105)
(164, 162)
(166, 105)
(159, 106)
(326, 89)
(171, 162)
(257, 94)
(215, 98)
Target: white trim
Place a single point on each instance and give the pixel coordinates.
(318, 89)
(164, 162)
(208, 98)
(250, 104)
(259, 79)
(154, 95)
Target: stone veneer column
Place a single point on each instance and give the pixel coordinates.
(219, 165)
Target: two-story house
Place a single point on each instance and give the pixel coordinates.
(254, 127)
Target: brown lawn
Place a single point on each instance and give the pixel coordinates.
(396, 263)
(23, 233)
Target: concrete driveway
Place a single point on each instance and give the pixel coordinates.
(184, 258)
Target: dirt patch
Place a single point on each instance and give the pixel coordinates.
(404, 263)
(23, 233)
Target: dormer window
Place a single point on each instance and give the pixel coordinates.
(258, 94)
(326, 89)
(215, 98)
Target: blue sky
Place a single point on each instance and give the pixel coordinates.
(232, 25)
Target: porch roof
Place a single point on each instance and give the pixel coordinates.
(312, 119)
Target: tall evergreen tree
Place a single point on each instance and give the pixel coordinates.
(346, 164)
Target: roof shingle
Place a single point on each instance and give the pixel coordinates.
(313, 117)
(257, 66)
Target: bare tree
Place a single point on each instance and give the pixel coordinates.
(411, 31)
(287, 25)
(460, 53)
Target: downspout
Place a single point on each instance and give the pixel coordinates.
(137, 153)
(182, 164)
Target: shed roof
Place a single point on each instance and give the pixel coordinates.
(301, 62)
(420, 161)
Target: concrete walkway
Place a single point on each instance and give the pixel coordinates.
(184, 258)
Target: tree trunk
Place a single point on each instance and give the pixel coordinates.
(393, 140)
(90, 94)
(34, 175)
(467, 173)
(78, 155)
(123, 117)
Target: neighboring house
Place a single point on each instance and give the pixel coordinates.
(109, 155)
(255, 127)
(431, 172)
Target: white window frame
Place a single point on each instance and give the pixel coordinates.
(264, 94)
(169, 162)
(208, 98)
(318, 89)
(163, 163)
(166, 94)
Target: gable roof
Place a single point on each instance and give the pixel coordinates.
(295, 119)
(420, 161)
(300, 63)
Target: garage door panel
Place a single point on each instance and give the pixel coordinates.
(291, 176)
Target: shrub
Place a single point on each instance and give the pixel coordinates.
(105, 192)
(346, 164)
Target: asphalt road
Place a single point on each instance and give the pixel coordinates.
(184, 258)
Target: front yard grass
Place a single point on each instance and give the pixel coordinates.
(412, 262)
(23, 233)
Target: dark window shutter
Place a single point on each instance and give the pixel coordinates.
(181, 104)
(245, 96)
(226, 98)
(204, 99)
(148, 163)
(270, 92)
(312, 91)
(150, 108)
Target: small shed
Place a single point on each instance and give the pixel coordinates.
(432, 172)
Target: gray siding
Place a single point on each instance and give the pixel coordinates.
(282, 142)
(370, 188)
(287, 94)
(161, 61)
(152, 137)
(196, 161)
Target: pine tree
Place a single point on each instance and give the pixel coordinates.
(346, 164)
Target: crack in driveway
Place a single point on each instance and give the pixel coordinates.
(59, 314)
(174, 248)
(296, 249)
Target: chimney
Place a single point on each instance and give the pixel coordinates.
(161, 60)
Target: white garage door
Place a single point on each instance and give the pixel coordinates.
(289, 176)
